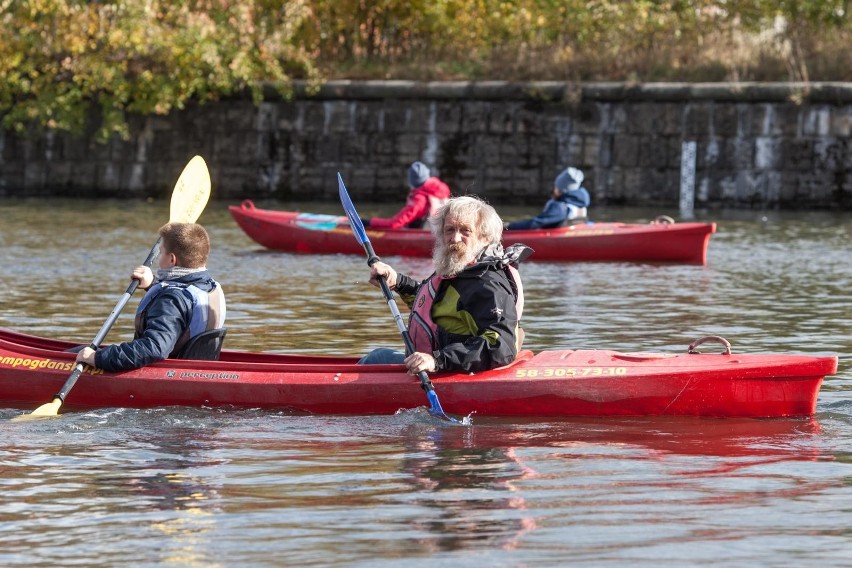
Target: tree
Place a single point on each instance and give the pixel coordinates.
(61, 59)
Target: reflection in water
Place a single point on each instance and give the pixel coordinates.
(480, 482)
(189, 503)
(188, 531)
(471, 488)
(90, 481)
(214, 487)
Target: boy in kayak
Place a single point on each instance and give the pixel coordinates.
(426, 195)
(465, 317)
(183, 302)
(568, 201)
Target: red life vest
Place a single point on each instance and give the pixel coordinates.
(422, 328)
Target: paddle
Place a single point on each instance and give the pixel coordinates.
(361, 235)
(189, 199)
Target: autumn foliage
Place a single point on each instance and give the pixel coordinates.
(65, 64)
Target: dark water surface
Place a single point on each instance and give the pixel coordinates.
(226, 487)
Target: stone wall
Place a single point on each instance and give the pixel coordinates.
(758, 145)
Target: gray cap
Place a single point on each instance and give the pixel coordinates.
(568, 180)
(418, 173)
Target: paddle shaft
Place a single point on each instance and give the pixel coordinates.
(372, 258)
(361, 235)
(110, 321)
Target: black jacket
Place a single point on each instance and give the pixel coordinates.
(479, 306)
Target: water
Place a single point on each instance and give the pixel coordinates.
(229, 487)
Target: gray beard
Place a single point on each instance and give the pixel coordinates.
(448, 264)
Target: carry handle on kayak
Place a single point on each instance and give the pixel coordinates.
(693, 347)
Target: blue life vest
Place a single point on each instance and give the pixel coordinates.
(208, 309)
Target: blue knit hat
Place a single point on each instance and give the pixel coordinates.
(568, 180)
(418, 173)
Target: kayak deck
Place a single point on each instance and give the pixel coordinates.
(549, 383)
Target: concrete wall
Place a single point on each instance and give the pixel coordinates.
(758, 145)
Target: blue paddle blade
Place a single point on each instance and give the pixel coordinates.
(349, 207)
(435, 407)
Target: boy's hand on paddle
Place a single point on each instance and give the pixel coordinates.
(86, 355)
(144, 275)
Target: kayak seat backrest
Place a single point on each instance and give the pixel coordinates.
(205, 346)
(575, 221)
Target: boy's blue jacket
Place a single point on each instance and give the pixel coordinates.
(167, 317)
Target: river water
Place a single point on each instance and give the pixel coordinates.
(228, 487)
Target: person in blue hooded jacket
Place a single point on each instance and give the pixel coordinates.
(181, 303)
(569, 201)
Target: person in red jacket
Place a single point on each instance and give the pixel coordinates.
(427, 194)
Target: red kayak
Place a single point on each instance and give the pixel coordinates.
(659, 241)
(549, 383)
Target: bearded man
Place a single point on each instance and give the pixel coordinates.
(466, 316)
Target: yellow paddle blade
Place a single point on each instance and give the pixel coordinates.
(43, 411)
(191, 193)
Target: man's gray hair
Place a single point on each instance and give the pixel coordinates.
(488, 222)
